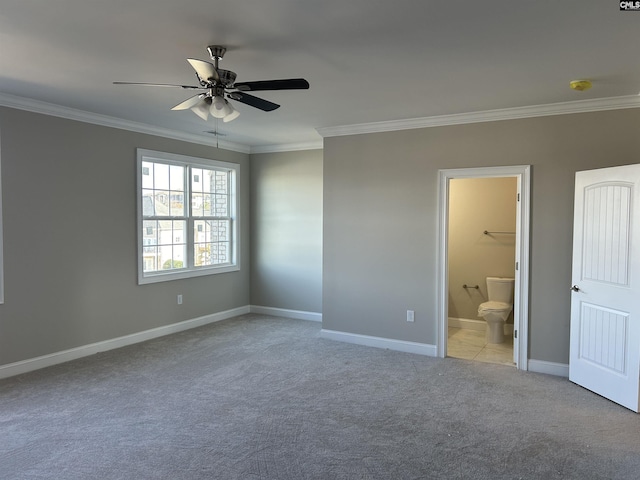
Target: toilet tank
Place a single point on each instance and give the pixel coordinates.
(500, 289)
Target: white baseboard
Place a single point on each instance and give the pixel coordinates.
(37, 363)
(467, 324)
(283, 312)
(379, 342)
(550, 368)
(478, 325)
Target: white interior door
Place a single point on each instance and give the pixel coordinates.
(605, 305)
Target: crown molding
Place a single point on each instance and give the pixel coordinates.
(563, 108)
(288, 147)
(37, 106)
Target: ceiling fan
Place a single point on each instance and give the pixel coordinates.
(218, 85)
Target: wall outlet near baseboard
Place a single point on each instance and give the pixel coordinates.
(411, 315)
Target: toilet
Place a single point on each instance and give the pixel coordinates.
(497, 309)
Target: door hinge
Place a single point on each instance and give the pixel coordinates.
(515, 334)
(518, 197)
(517, 265)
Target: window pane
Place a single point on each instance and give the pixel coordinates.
(149, 245)
(212, 240)
(148, 207)
(171, 244)
(149, 232)
(207, 208)
(176, 180)
(147, 175)
(178, 257)
(199, 185)
(176, 204)
(220, 253)
(150, 259)
(161, 176)
(179, 231)
(176, 183)
(221, 182)
(161, 202)
(196, 180)
(197, 205)
(222, 205)
(163, 190)
(210, 195)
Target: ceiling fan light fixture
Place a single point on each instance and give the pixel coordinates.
(220, 108)
(232, 116)
(202, 109)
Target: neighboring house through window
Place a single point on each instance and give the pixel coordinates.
(187, 216)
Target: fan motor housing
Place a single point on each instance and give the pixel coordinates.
(227, 77)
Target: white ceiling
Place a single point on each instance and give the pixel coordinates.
(366, 60)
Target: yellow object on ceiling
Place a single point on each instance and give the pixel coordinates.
(580, 85)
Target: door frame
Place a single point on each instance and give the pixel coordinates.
(522, 173)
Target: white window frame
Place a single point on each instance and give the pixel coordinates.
(189, 270)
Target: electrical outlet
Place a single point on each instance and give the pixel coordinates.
(410, 315)
(180, 299)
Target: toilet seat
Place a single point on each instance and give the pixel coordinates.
(493, 311)
(492, 306)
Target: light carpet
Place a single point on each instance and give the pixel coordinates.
(259, 397)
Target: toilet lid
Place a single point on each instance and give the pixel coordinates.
(494, 306)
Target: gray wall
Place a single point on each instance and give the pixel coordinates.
(286, 226)
(69, 201)
(381, 210)
(70, 228)
(476, 205)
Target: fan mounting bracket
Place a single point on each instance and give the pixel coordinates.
(216, 51)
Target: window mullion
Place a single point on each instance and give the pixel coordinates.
(190, 221)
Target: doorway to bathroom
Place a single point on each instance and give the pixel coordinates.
(483, 232)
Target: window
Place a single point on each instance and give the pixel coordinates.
(187, 216)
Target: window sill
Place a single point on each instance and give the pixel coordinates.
(198, 272)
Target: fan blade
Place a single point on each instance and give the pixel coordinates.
(189, 102)
(252, 101)
(286, 84)
(205, 70)
(186, 87)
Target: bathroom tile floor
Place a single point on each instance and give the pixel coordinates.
(472, 345)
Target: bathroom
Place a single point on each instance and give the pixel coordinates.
(476, 206)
